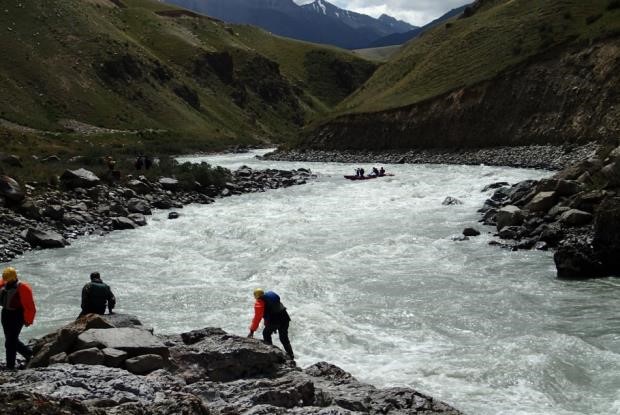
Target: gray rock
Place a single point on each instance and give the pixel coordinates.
(92, 356)
(509, 216)
(58, 358)
(139, 187)
(11, 190)
(576, 262)
(543, 201)
(173, 215)
(134, 341)
(114, 357)
(496, 185)
(51, 159)
(79, 178)
(169, 183)
(162, 203)
(121, 320)
(568, 187)
(509, 232)
(471, 232)
(139, 206)
(606, 239)
(450, 201)
(574, 217)
(218, 356)
(45, 239)
(141, 365)
(55, 212)
(138, 219)
(121, 223)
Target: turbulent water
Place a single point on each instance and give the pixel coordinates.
(373, 283)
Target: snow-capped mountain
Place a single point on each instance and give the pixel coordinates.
(319, 22)
(383, 26)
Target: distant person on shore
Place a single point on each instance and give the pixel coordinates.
(18, 310)
(109, 161)
(148, 162)
(139, 162)
(375, 172)
(362, 172)
(96, 295)
(381, 172)
(269, 307)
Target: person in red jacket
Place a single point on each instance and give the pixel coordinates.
(269, 307)
(18, 310)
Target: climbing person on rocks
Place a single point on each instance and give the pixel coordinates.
(269, 307)
(96, 295)
(18, 310)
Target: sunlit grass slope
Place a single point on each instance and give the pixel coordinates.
(140, 64)
(465, 51)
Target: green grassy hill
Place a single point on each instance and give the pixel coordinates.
(149, 69)
(499, 35)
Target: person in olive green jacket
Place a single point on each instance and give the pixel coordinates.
(96, 296)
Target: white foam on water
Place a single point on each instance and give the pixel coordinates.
(373, 283)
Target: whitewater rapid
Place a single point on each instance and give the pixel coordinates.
(373, 283)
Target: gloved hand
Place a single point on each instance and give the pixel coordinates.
(251, 335)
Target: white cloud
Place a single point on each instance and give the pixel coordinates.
(417, 12)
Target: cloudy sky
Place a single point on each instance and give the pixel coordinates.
(417, 12)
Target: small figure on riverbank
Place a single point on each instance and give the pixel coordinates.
(110, 162)
(18, 310)
(96, 295)
(381, 172)
(269, 307)
(140, 162)
(375, 172)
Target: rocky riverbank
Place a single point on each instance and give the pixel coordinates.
(84, 204)
(576, 212)
(548, 157)
(112, 365)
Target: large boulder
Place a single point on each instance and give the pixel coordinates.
(576, 262)
(92, 356)
(509, 216)
(64, 339)
(79, 178)
(140, 187)
(11, 190)
(607, 235)
(543, 201)
(133, 341)
(122, 223)
(45, 239)
(575, 217)
(169, 184)
(136, 205)
(141, 365)
(215, 355)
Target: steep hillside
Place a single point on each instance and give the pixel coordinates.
(507, 72)
(141, 65)
(404, 37)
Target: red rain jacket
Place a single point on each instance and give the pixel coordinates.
(259, 312)
(26, 300)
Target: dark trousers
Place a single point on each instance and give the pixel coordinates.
(281, 326)
(92, 310)
(12, 324)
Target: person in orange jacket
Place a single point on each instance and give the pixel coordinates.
(18, 310)
(269, 307)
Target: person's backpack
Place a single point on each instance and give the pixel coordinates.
(273, 305)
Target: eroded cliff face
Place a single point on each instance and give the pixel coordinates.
(569, 95)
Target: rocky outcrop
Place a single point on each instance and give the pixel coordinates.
(208, 372)
(51, 219)
(576, 212)
(568, 94)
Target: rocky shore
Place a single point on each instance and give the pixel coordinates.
(84, 204)
(112, 365)
(576, 212)
(548, 157)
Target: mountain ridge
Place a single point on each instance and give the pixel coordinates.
(317, 22)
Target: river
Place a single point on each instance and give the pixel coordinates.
(373, 283)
